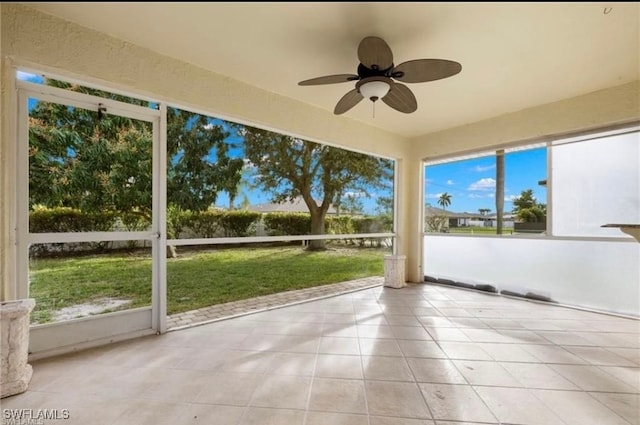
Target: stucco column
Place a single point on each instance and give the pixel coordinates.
(8, 186)
(409, 222)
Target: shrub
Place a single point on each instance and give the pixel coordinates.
(278, 224)
(239, 223)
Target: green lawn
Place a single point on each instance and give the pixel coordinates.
(196, 278)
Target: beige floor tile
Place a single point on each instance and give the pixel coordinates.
(285, 392)
(464, 350)
(508, 352)
(178, 386)
(375, 331)
(517, 406)
(592, 378)
(349, 318)
(486, 373)
(239, 361)
(523, 336)
(626, 406)
(631, 354)
(380, 420)
(628, 375)
(565, 338)
(436, 322)
(402, 320)
(429, 349)
(395, 399)
(141, 412)
(210, 414)
(410, 332)
(578, 408)
(386, 369)
(300, 364)
(335, 345)
(532, 375)
(379, 347)
(204, 360)
(323, 418)
(599, 356)
(552, 354)
(337, 395)
(455, 403)
(486, 335)
(230, 388)
(340, 330)
(338, 366)
(264, 416)
(435, 371)
(447, 334)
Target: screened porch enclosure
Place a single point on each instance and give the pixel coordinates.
(576, 262)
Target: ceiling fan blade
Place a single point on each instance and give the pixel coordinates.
(423, 70)
(375, 53)
(401, 99)
(348, 101)
(329, 79)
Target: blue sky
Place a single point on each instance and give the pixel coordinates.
(471, 183)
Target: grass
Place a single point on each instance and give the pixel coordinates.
(479, 230)
(196, 278)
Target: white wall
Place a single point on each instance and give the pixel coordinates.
(603, 275)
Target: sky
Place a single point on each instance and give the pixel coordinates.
(472, 182)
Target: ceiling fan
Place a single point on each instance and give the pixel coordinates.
(376, 75)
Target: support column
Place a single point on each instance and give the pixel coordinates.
(409, 222)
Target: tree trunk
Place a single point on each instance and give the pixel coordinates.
(499, 191)
(317, 228)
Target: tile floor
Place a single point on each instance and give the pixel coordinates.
(421, 355)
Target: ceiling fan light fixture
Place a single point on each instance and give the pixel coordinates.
(374, 90)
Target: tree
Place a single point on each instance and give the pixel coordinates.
(97, 162)
(352, 204)
(484, 211)
(527, 208)
(289, 168)
(444, 200)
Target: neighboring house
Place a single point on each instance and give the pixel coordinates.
(464, 219)
(297, 206)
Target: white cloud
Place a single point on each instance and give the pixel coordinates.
(483, 184)
(450, 182)
(354, 194)
(480, 168)
(510, 198)
(433, 196)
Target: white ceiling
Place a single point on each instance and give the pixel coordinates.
(513, 55)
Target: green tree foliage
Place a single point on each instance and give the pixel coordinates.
(289, 168)
(80, 160)
(527, 208)
(199, 164)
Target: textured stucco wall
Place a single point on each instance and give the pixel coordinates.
(615, 105)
